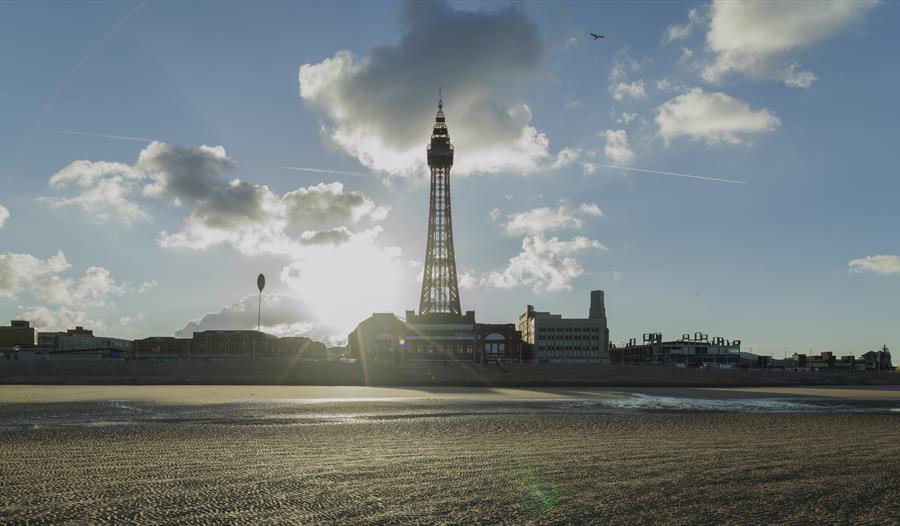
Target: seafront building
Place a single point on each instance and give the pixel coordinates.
(879, 360)
(162, 347)
(439, 336)
(224, 344)
(436, 338)
(80, 339)
(688, 351)
(81, 343)
(871, 361)
(77, 343)
(497, 343)
(18, 333)
(555, 339)
(218, 343)
(378, 337)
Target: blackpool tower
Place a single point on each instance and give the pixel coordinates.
(440, 292)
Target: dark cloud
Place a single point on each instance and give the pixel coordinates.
(461, 51)
(325, 205)
(233, 205)
(196, 176)
(222, 210)
(184, 174)
(334, 236)
(382, 105)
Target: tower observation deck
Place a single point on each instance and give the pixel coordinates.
(440, 291)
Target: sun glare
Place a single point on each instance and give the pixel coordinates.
(347, 283)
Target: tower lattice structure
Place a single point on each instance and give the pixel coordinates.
(440, 291)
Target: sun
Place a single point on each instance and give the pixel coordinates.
(345, 284)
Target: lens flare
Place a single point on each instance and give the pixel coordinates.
(537, 493)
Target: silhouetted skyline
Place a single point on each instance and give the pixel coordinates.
(147, 173)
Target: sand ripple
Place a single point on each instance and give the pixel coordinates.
(442, 462)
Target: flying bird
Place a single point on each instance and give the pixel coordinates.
(596, 36)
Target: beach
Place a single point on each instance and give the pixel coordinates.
(312, 455)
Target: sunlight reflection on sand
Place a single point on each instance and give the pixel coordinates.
(206, 394)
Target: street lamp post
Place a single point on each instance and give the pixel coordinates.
(260, 284)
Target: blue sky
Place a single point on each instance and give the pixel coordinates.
(796, 100)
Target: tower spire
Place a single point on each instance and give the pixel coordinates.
(440, 291)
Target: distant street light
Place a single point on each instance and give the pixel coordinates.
(260, 284)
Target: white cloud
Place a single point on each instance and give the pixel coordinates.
(796, 78)
(19, 271)
(678, 32)
(884, 264)
(249, 217)
(542, 219)
(623, 65)
(713, 117)
(104, 190)
(60, 319)
(183, 175)
(590, 209)
(589, 168)
(126, 321)
(324, 229)
(86, 174)
(380, 107)
(623, 90)
(147, 285)
(617, 149)
(280, 225)
(45, 281)
(94, 289)
(467, 280)
(627, 118)
(565, 157)
(494, 214)
(4, 215)
(281, 315)
(753, 37)
(543, 264)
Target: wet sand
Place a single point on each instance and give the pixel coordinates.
(458, 456)
(207, 394)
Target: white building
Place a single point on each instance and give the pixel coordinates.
(80, 339)
(554, 339)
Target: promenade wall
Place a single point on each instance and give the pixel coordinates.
(262, 372)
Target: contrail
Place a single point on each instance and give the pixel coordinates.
(324, 171)
(672, 173)
(103, 135)
(71, 74)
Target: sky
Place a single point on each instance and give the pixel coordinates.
(156, 156)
